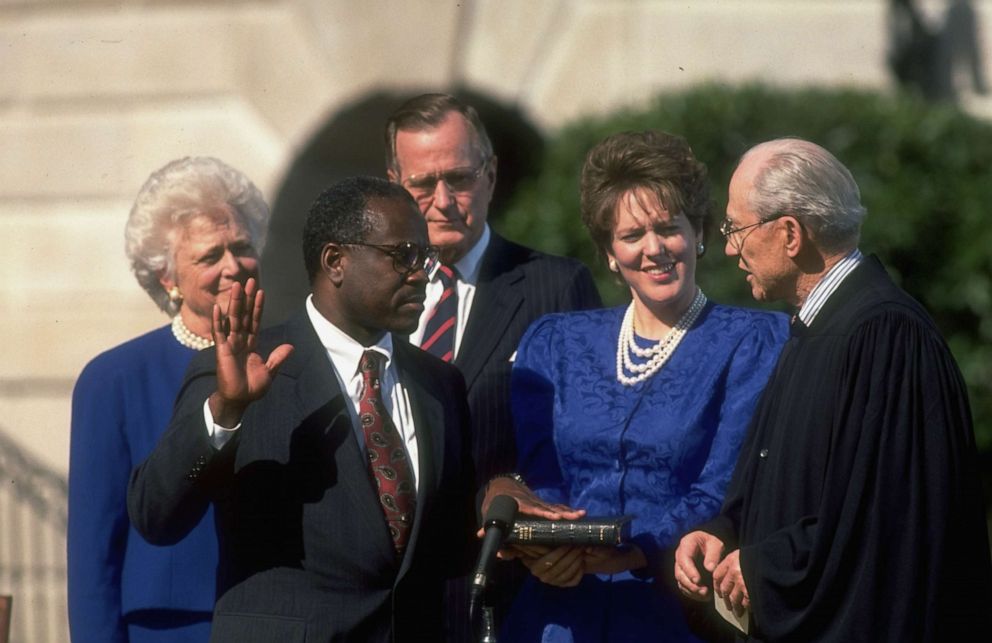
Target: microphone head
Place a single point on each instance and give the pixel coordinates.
(503, 509)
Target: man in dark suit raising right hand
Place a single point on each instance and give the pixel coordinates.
(337, 457)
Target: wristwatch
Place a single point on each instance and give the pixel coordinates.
(516, 477)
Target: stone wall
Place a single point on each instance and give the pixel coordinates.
(96, 94)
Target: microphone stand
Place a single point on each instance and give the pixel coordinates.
(487, 633)
(484, 619)
(497, 524)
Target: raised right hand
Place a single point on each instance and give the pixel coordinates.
(242, 375)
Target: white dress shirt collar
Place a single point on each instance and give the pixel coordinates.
(827, 285)
(345, 352)
(468, 268)
(469, 265)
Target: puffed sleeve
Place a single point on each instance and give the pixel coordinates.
(735, 395)
(532, 392)
(99, 465)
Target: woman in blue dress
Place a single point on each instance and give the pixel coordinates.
(196, 227)
(639, 409)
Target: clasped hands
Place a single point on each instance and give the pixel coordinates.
(559, 566)
(727, 579)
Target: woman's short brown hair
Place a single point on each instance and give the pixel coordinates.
(656, 161)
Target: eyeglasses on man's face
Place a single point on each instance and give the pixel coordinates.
(730, 233)
(408, 257)
(457, 180)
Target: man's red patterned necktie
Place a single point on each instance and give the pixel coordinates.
(388, 459)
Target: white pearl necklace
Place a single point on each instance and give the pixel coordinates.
(658, 353)
(188, 338)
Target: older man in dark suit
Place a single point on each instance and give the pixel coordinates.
(489, 289)
(337, 457)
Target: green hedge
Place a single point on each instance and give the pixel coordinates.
(925, 174)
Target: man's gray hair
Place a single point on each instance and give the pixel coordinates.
(804, 180)
(169, 199)
(428, 111)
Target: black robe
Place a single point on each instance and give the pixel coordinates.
(856, 500)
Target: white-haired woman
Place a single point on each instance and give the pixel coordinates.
(196, 227)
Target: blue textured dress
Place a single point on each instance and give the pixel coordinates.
(122, 588)
(662, 450)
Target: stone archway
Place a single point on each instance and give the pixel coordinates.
(350, 143)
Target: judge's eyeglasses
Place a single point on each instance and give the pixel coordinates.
(733, 235)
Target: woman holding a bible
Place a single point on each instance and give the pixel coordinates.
(637, 410)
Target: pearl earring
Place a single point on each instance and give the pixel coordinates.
(175, 296)
(613, 265)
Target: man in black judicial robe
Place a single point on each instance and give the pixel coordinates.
(855, 511)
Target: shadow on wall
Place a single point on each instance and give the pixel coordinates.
(352, 143)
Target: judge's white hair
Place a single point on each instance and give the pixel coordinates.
(169, 199)
(804, 180)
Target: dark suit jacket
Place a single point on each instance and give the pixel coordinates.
(305, 553)
(516, 286)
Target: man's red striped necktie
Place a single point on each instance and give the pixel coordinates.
(439, 334)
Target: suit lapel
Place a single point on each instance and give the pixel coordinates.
(495, 303)
(309, 364)
(318, 392)
(428, 418)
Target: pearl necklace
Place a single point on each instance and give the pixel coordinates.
(188, 338)
(657, 353)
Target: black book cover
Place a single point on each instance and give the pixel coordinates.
(609, 530)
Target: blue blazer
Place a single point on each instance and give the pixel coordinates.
(120, 407)
(305, 553)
